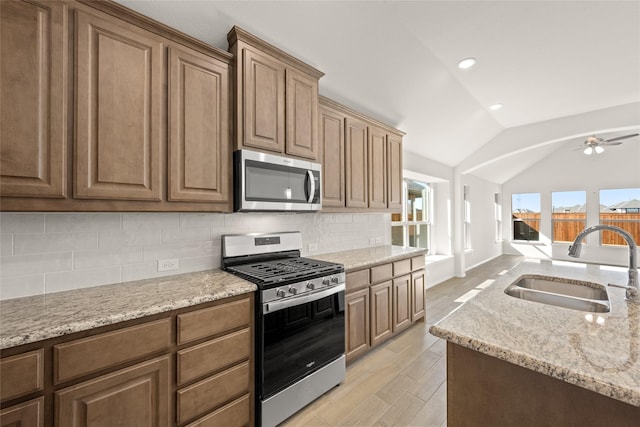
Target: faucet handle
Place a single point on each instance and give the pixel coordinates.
(619, 286)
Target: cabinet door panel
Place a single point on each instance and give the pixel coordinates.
(357, 323)
(401, 302)
(33, 111)
(394, 172)
(263, 102)
(381, 312)
(119, 126)
(21, 374)
(301, 115)
(136, 396)
(332, 142)
(27, 414)
(417, 295)
(377, 168)
(356, 164)
(199, 155)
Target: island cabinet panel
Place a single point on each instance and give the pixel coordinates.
(401, 302)
(119, 119)
(418, 295)
(377, 168)
(301, 115)
(27, 414)
(263, 102)
(139, 395)
(357, 323)
(381, 312)
(485, 391)
(199, 139)
(331, 135)
(34, 102)
(356, 161)
(21, 374)
(394, 172)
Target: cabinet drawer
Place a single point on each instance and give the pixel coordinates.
(29, 414)
(214, 320)
(87, 355)
(417, 262)
(208, 394)
(357, 280)
(213, 355)
(235, 414)
(381, 272)
(21, 374)
(400, 268)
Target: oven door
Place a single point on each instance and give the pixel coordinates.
(299, 337)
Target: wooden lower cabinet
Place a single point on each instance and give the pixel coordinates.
(357, 323)
(417, 295)
(27, 414)
(401, 302)
(381, 312)
(139, 395)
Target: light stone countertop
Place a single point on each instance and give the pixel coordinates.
(31, 319)
(360, 258)
(36, 318)
(596, 351)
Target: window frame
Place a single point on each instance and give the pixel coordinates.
(428, 214)
(620, 220)
(514, 220)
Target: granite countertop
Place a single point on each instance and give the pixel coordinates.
(360, 258)
(596, 351)
(31, 319)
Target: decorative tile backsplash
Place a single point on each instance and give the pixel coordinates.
(52, 252)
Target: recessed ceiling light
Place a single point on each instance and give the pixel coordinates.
(466, 63)
(496, 107)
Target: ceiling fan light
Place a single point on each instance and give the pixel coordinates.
(598, 149)
(588, 151)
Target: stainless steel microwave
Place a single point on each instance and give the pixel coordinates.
(266, 182)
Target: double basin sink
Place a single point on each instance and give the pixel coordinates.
(575, 295)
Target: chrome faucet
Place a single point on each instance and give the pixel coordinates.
(633, 286)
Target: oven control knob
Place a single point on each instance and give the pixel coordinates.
(325, 282)
(280, 293)
(293, 290)
(334, 280)
(311, 285)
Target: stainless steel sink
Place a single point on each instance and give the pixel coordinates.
(577, 295)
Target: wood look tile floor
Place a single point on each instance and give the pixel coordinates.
(403, 381)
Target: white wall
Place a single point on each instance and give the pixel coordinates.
(484, 246)
(571, 170)
(51, 252)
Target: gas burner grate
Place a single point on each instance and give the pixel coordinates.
(283, 269)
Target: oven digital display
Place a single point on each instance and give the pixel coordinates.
(271, 240)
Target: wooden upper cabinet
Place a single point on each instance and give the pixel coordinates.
(331, 135)
(199, 140)
(356, 174)
(377, 168)
(277, 97)
(301, 115)
(263, 102)
(34, 102)
(394, 172)
(119, 113)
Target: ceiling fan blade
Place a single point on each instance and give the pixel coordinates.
(610, 143)
(621, 137)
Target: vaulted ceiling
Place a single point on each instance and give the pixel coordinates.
(545, 61)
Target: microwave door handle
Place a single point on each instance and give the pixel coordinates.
(312, 182)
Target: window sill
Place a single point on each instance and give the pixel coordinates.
(432, 259)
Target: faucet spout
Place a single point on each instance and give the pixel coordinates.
(633, 285)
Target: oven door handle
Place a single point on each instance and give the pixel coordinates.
(272, 307)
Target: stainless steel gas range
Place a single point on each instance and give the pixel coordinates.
(299, 320)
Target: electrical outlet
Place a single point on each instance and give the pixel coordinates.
(372, 241)
(167, 264)
(378, 240)
(313, 247)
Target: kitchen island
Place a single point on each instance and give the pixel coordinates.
(517, 362)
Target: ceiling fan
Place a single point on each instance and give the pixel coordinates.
(594, 144)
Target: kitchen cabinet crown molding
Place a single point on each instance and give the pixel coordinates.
(238, 34)
(330, 103)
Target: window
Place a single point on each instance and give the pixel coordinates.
(497, 202)
(412, 227)
(467, 217)
(568, 214)
(525, 216)
(620, 208)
